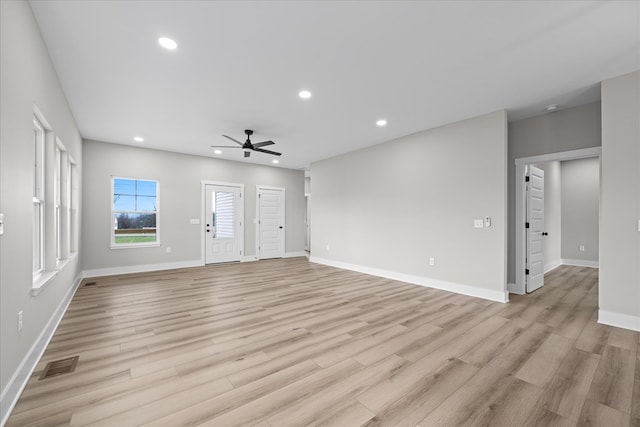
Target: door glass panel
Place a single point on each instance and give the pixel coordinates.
(223, 215)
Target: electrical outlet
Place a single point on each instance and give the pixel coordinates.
(581, 248)
(328, 249)
(432, 261)
(20, 322)
(478, 223)
(168, 249)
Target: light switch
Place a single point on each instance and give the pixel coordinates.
(2, 224)
(478, 223)
(194, 221)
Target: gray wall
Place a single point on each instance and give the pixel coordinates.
(620, 203)
(552, 214)
(565, 130)
(394, 205)
(180, 176)
(27, 79)
(580, 209)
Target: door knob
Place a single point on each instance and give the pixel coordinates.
(280, 227)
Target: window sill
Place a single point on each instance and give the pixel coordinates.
(41, 280)
(61, 263)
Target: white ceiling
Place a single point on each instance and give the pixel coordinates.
(241, 64)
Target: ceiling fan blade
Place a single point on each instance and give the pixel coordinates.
(234, 140)
(247, 153)
(224, 146)
(263, 143)
(267, 151)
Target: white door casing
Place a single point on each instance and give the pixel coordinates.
(535, 229)
(307, 223)
(271, 222)
(223, 219)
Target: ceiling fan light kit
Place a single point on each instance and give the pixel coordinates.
(248, 146)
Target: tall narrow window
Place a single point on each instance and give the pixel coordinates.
(57, 200)
(68, 190)
(74, 201)
(134, 212)
(38, 198)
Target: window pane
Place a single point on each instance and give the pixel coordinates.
(145, 203)
(146, 188)
(37, 222)
(124, 203)
(36, 161)
(124, 186)
(134, 228)
(58, 225)
(223, 224)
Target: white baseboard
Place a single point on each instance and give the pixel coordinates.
(18, 381)
(112, 271)
(581, 263)
(474, 291)
(286, 255)
(294, 254)
(619, 320)
(552, 265)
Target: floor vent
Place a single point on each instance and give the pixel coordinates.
(90, 284)
(60, 367)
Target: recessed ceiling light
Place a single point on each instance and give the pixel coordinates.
(381, 122)
(304, 94)
(551, 108)
(217, 151)
(138, 139)
(275, 161)
(167, 43)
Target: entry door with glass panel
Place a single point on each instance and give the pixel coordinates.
(224, 235)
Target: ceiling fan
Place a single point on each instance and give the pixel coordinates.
(247, 146)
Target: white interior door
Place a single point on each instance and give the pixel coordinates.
(223, 229)
(535, 229)
(271, 232)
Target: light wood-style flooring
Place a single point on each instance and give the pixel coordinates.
(292, 343)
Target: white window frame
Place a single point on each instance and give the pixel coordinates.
(115, 245)
(38, 197)
(57, 199)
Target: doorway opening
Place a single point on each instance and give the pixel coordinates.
(522, 167)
